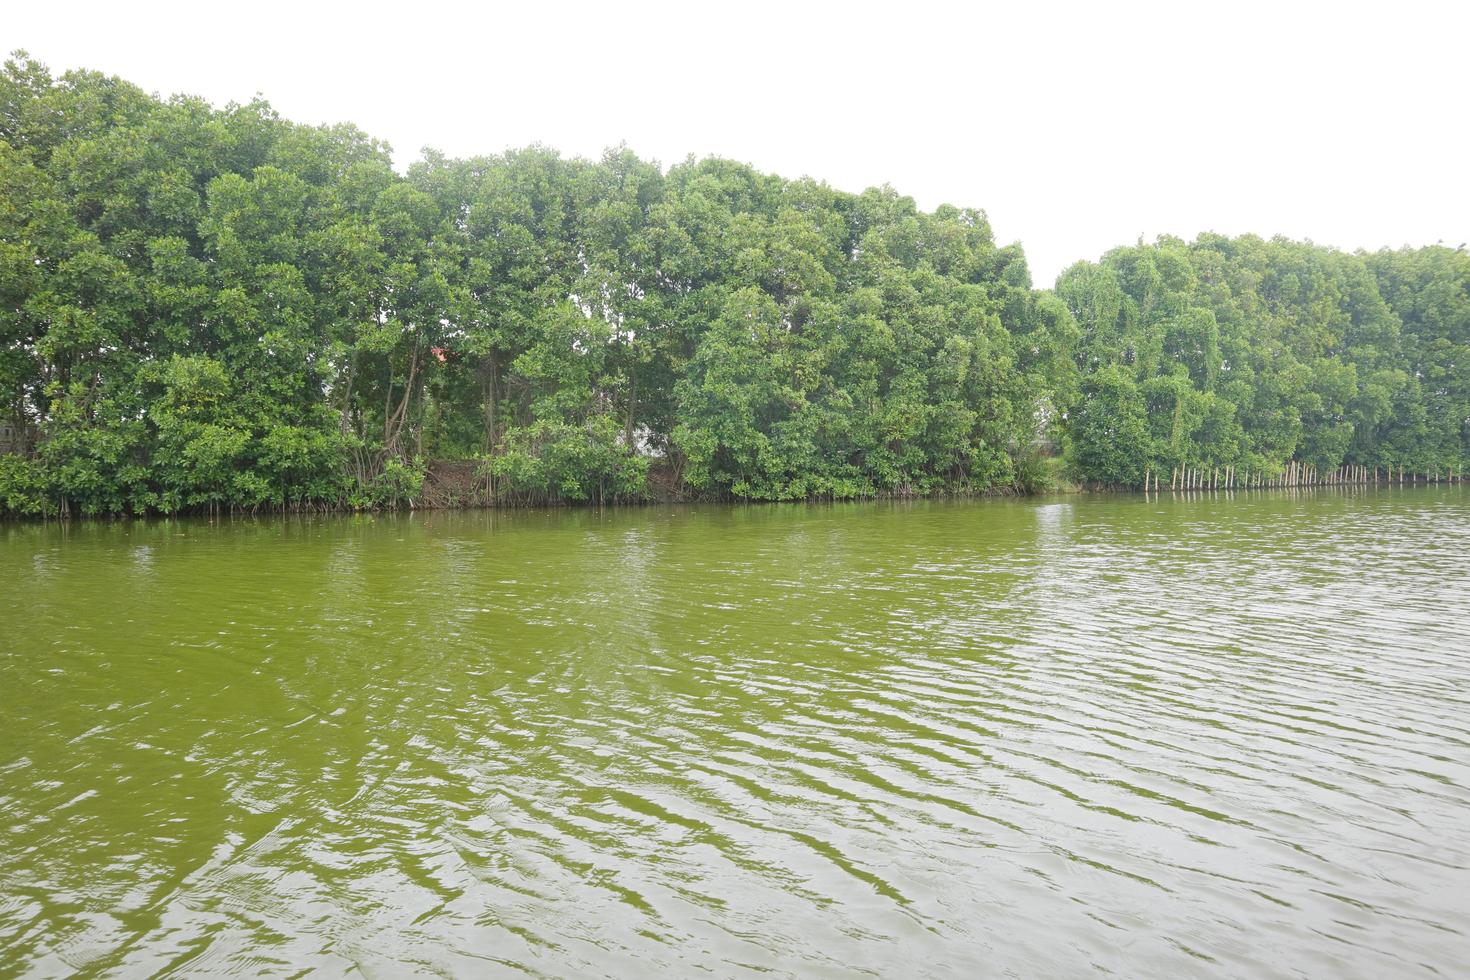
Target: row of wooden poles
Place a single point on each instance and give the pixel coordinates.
(1295, 474)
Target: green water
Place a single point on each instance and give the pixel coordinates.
(1046, 737)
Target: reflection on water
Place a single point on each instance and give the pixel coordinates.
(1048, 737)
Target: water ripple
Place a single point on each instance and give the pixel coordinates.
(1116, 735)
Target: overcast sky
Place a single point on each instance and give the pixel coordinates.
(1076, 126)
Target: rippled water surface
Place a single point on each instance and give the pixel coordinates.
(1046, 737)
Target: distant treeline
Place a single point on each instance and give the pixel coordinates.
(206, 309)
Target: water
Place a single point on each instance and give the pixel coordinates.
(1042, 737)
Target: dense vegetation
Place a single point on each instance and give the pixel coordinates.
(1252, 354)
(210, 308)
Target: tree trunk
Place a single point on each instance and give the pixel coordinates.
(632, 408)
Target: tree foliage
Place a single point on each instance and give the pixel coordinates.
(215, 308)
(1254, 354)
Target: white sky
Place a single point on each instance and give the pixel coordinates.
(1077, 126)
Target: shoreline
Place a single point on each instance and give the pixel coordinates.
(1067, 490)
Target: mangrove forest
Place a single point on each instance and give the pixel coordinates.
(216, 309)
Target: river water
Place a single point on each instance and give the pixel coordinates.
(1152, 737)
